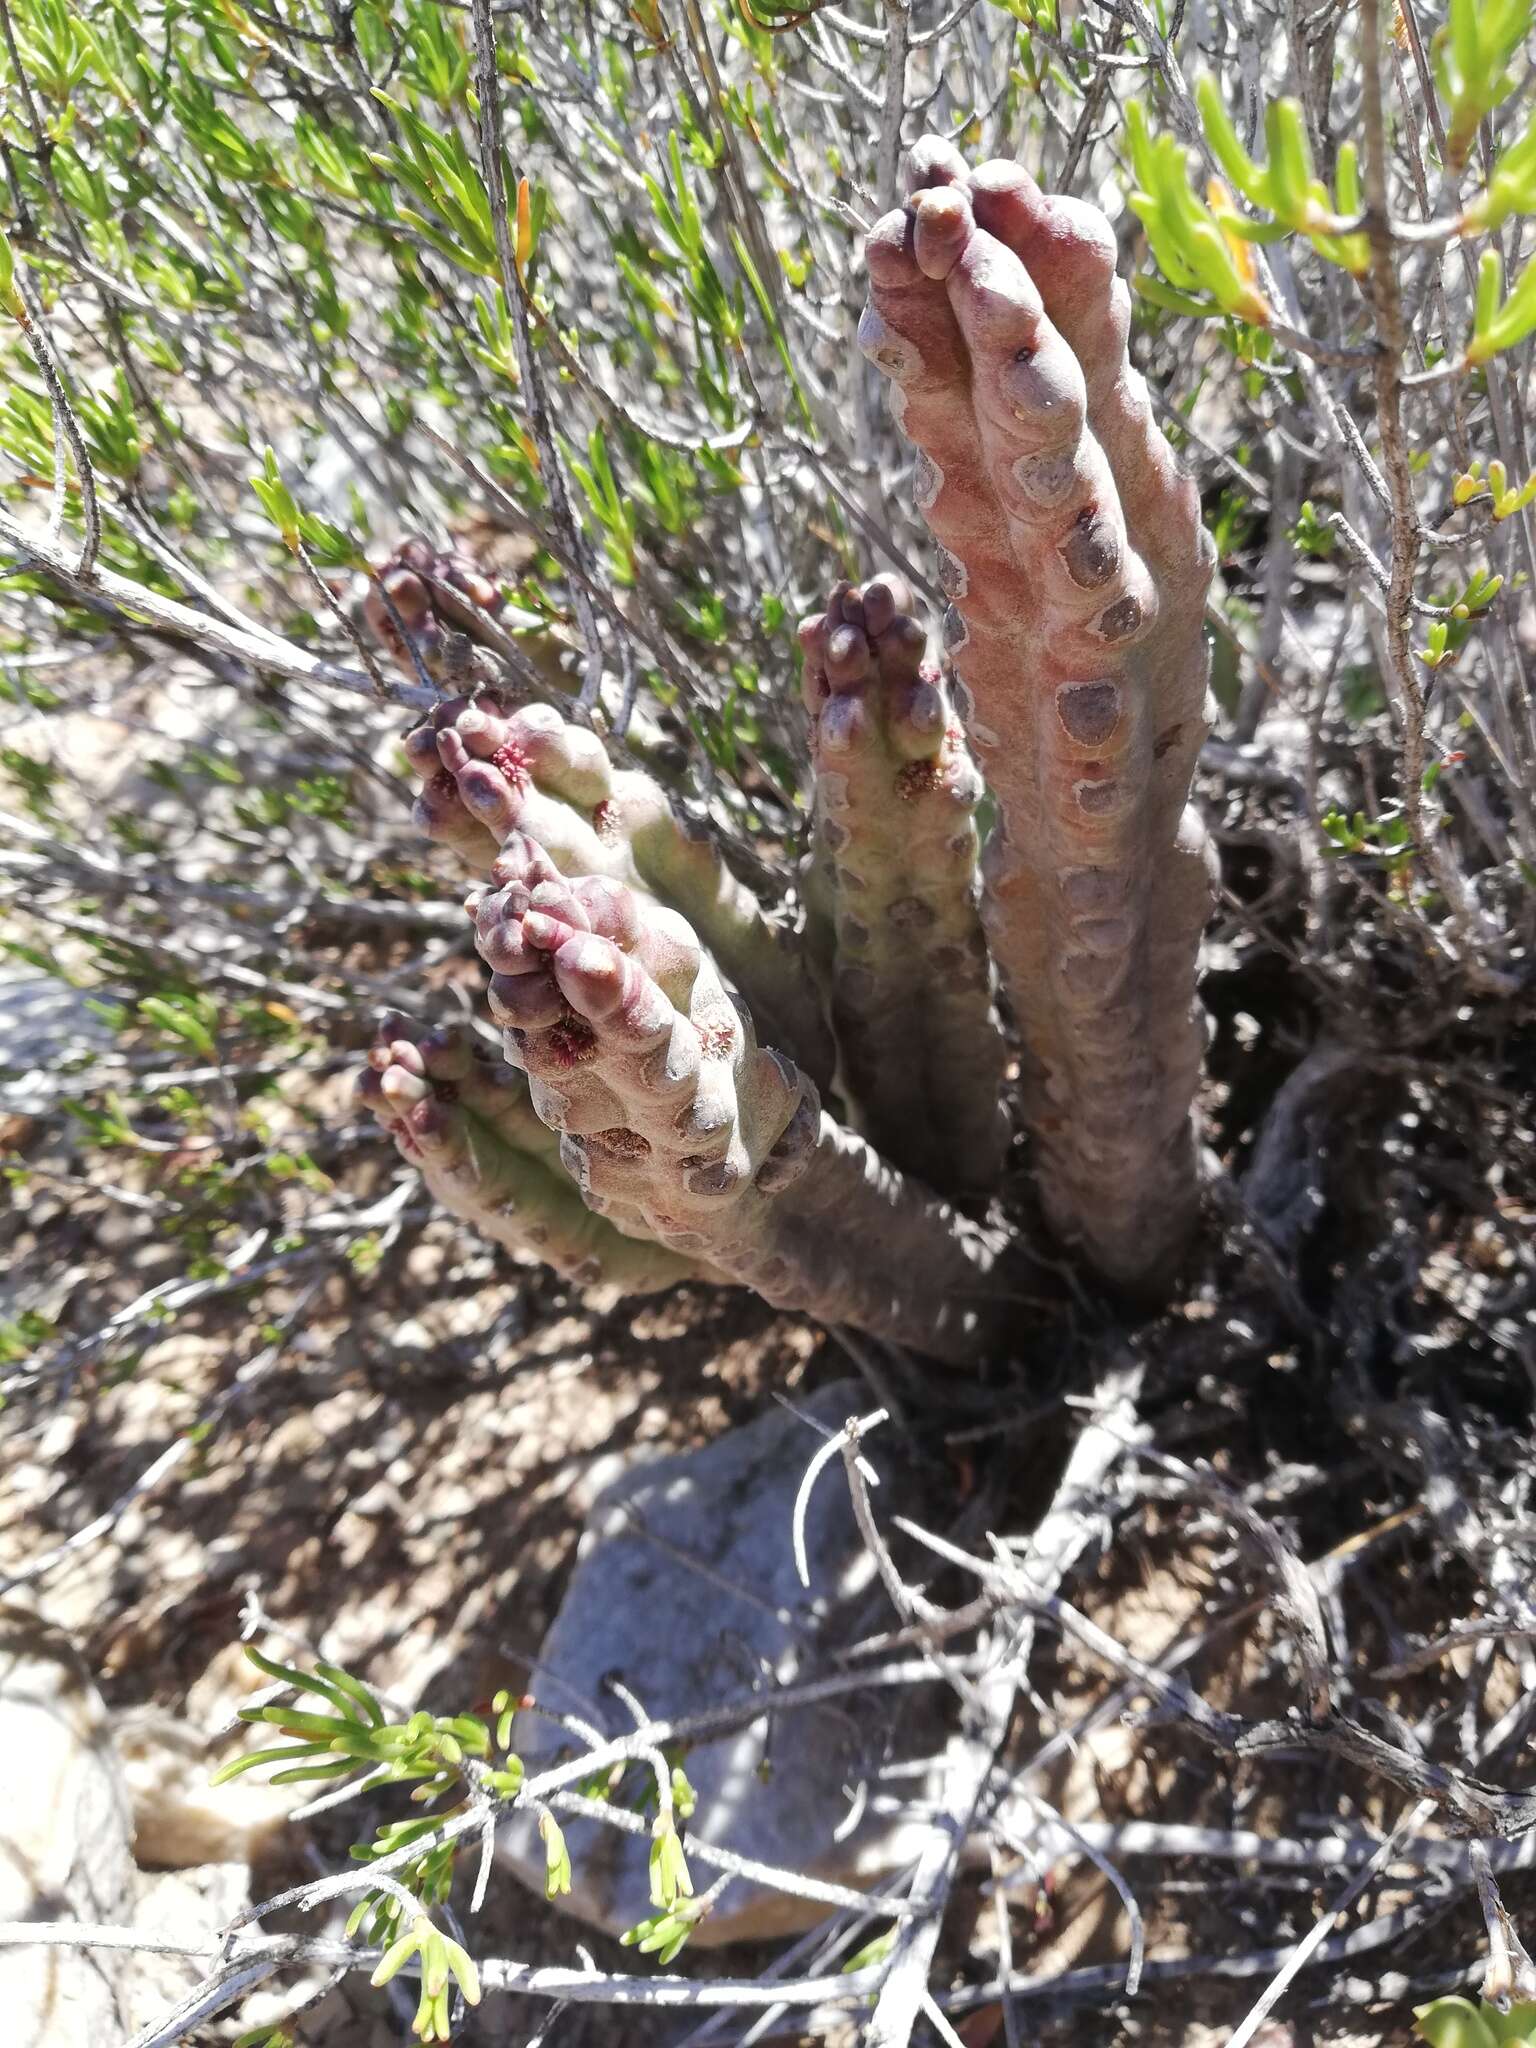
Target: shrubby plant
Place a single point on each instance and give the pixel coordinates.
(798, 498)
(461, 1768)
(413, 255)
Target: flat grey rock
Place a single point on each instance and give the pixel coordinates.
(685, 1589)
(65, 1837)
(69, 1831)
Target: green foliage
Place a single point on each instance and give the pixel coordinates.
(1458, 2023)
(437, 1755)
(436, 168)
(1499, 323)
(35, 780)
(428, 1876)
(1446, 637)
(1510, 189)
(1208, 271)
(1287, 186)
(670, 1880)
(874, 1951)
(663, 1934)
(1473, 53)
(1199, 245)
(10, 298)
(1386, 838)
(1312, 535)
(557, 1858)
(434, 1754)
(1505, 499)
(192, 1018)
(1033, 14)
(1202, 246)
(441, 1961)
(227, 222)
(277, 500)
(328, 545)
(1231, 522)
(425, 1751)
(612, 510)
(20, 1335)
(312, 796)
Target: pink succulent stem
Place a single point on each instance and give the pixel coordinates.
(487, 770)
(464, 1120)
(1076, 565)
(639, 1056)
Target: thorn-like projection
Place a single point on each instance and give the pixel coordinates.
(463, 1118)
(487, 771)
(892, 889)
(1077, 567)
(669, 1108)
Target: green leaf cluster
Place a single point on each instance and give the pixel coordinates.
(442, 1962)
(1201, 246)
(1206, 271)
(1511, 187)
(1506, 499)
(425, 1750)
(1500, 322)
(1287, 185)
(665, 1933)
(1458, 2023)
(1446, 637)
(1473, 54)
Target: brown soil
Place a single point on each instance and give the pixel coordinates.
(404, 1495)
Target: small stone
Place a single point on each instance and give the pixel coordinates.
(67, 1832)
(782, 1789)
(180, 1818)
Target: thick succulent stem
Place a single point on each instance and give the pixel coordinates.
(463, 1118)
(667, 1105)
(423, 598)
(1077, 567)
(892, 889)
(487, 771)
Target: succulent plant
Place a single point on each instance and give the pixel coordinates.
(815, 1104)
(464, 1118)
(488, 768)
(1076, 566)
(676, 1121)
(893, 890)
(423, 596)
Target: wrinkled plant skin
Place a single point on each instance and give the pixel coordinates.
(487, 770)
(1076, 565)
(680, 1039)
(671, 1112)
(891, 889)
(463, 1118)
